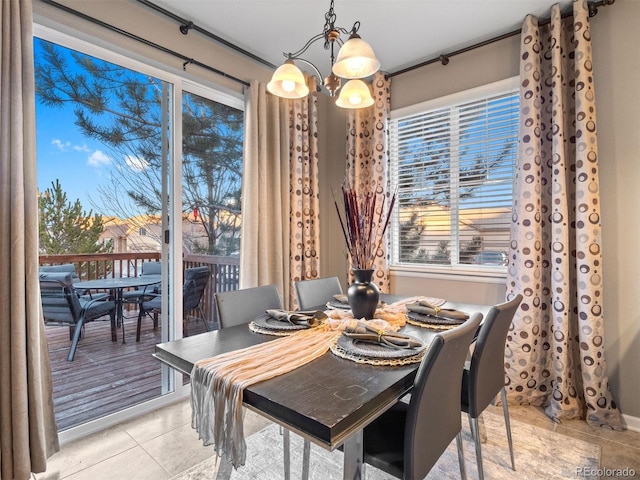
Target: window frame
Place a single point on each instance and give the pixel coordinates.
(490, 273)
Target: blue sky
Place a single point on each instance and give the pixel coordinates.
(80, 163)
(64, 153)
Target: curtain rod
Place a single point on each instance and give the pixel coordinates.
(186, 25)
(444, 58)
(187, 60)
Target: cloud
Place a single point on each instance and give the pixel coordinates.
(81, 148)
(64, 146)
(136, 163)
(98, 159)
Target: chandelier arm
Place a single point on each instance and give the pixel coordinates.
(311, 65)
(311, 41)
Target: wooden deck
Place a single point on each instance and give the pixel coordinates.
(105, 376)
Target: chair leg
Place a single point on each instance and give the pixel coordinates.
(476, 439)
(463, 472)
(74, 341)
(204, 320)
(287, 458)
(306, 452)
(507, 424)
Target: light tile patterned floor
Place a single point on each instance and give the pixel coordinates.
(161, 444)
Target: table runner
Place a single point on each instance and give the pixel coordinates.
(217, 383)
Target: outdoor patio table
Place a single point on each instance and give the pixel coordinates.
(328, 401)
(116, 286)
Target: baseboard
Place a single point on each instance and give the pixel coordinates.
(633, 423)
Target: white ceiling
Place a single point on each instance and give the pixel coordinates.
(401, 32)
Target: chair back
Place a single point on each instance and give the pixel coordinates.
(62, 268)
(433, 417)
(317, 292)
(486, 370)
(195, 283)
(241, 306)
(60, 302)
(151, 268)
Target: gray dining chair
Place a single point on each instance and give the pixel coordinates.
(483, 378)
(196, 280)
(238, 307)
(62, 305)
(408, 439)
(316, 292)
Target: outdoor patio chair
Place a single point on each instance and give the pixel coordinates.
(61, 304)
(71, 268)
(148, 268)
(195, 283)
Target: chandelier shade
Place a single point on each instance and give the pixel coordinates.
(355, 94)
(288, 81)
(355, 60)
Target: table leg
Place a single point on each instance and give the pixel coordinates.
(119, 310)
(353, 468)
(114, 335)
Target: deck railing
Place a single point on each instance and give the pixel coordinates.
(225, 271)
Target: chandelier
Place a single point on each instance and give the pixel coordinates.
(355, 60)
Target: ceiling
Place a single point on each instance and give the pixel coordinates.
(401, 32)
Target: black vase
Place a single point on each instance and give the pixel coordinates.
(363, 295)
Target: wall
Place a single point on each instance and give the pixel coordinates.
(616, 48)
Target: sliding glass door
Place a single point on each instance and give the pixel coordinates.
(135, 165)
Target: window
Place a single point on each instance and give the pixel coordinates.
(452, 164)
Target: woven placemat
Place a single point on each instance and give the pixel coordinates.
(268, 325)
(341, 352)
(431, 326)
(270, 331)
(433, 323)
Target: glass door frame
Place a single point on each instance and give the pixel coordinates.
(172, 385)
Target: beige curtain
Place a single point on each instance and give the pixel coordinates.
(555, 350)
(368, 158)
(28, 433)
(279, 242)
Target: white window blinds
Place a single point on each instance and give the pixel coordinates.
(453, 169)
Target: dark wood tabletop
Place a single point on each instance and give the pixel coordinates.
(326, 400)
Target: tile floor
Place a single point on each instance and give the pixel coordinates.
(162, 444)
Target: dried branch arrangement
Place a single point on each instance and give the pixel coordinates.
(363, 226)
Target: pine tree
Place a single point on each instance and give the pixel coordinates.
(65, 228)
(126, 111)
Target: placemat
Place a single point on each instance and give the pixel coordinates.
(268, 325)
(433, 323)
(372, 354)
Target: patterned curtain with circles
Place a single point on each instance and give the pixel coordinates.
(303, 188)
(555, 349)
(368, 159)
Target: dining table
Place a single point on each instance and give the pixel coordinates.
(328, 401)
(116, 287)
